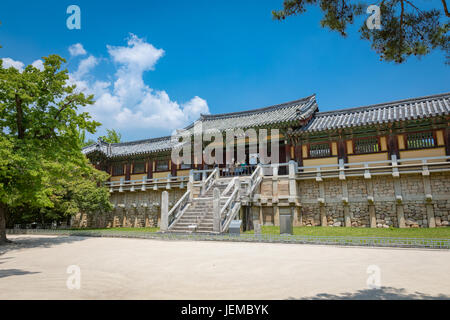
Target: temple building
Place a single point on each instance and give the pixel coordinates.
(383, 165)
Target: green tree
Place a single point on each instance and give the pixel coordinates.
(112, 136)
(39, 137)
(405, 30)
(83, 141)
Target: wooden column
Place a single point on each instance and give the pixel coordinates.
(342, 150)
(128, 171)
(447, 139)
(393, 145)
(287, 151)
(298, 154)
(173, 168)
(149, 169)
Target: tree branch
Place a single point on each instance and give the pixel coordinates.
(401, 20)
(445, 8)
(64, 107)
(19, 118)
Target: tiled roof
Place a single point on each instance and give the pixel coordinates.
(409, 109)
(131, 148)
(285, 113)
(290, 114)
(281, 113)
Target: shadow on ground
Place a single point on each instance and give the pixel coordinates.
(14, 272)
(383, 293)
(26, 242)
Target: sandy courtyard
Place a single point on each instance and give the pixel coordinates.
(35, 267)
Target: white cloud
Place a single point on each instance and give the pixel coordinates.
(8, 62)
(19, 65)
(130, 105)
(138, 55)
(85, 66)
(39, 64)
(77, 50)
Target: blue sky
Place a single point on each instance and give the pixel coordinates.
(155, 65)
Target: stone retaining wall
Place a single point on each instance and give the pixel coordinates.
(131, 209)
(409, 201)
(381, 201)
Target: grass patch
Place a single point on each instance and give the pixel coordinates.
(150, 229)
(441, 233)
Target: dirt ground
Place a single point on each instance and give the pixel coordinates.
(35, 267)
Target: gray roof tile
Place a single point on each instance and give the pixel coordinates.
(282, 113)
(290, 111)
(415, 108)
(131, 148)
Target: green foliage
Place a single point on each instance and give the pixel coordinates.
(406, 30)
(112, 136)
(42, 167)
(83, 141)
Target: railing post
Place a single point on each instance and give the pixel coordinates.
(144, 180)
(367, 174)
(216, 210)
(341, 169)
(168, 181)
(395, 172)
(275, 170)
(121, 185)
(275, 183)
(190, 183)
(204, 176)
(164, 211)
(292, 181)
(292, 169)
(217, 173)
(237, 185)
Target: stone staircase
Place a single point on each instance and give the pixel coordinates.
(198, 217)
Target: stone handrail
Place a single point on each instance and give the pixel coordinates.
(228, 187)
(392, 167)
(178, 208)
(209, 182)
(228, 211)
(253, 186)
(135, 185)
(255, 180)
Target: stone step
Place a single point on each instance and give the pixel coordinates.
(199, 211)
(195, 220)
(204, 230)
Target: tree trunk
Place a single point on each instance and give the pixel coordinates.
(2, 224)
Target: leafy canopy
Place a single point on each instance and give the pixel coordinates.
(112, 136)
(406, 28)
(40, 150)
